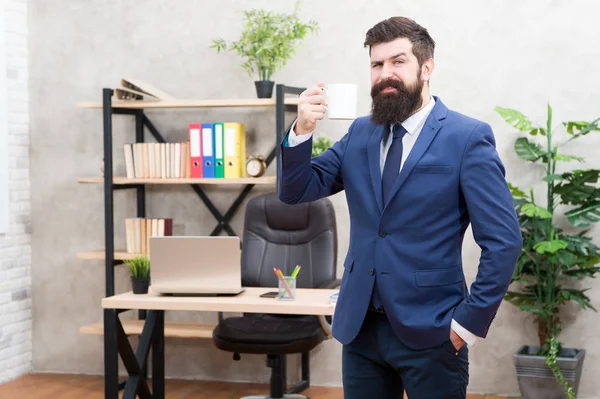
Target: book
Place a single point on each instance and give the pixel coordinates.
(139, 88)
(139, 230)
(157, 160)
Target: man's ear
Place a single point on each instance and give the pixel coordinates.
(427, 69)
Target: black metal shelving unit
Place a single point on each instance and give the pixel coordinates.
(142, 121)
(114, 335)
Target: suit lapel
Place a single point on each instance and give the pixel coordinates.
(430, 129)
(373, 153)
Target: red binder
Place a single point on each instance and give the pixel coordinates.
(195, 132)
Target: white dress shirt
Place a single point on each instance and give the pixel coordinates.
(413, 126)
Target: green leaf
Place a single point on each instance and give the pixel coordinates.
(577, 296)
(571, 126)
(590, 262)
(584, 215)
(532, 210)
(580, 273)
(320, 145)
(139, 266)
(515, 119)
(567, 258)
(536, 130)
(579, 188)
(527, 150)
(581, 244)
(567, 158)
(525, 301)
(516, 192)
(550, 246)
(581, 128)
(553, 178)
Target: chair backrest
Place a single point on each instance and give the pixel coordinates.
(278, 235)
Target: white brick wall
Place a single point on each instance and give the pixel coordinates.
(15, 247)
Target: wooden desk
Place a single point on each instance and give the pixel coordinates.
(307, 302)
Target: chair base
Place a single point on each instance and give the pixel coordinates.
(285, 396)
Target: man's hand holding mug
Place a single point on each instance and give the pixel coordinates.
(337, 100)
(311, 108)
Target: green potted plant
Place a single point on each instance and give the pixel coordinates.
(557, 253)
(320, 145)
(139, 269)
(268, 41)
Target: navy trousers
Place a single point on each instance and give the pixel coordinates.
(377, 365)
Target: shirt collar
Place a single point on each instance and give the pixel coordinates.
(417, 119)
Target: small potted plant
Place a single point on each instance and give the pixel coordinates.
(268, 41)
(556, 257)
(139, 268)
(320, 145)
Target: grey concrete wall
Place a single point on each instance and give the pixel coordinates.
(500, 52)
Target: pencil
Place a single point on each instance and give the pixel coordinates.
(280, 276)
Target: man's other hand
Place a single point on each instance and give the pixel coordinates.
(457, 341)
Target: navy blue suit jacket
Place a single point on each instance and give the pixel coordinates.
(453, 176)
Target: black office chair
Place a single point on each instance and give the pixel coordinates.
(282, 236)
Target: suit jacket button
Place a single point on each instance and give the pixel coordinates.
(371, 271)
(382, 233)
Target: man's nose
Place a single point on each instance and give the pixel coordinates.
(386, 71)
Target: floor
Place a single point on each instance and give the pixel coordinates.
(69, 386)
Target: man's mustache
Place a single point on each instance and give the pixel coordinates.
(389, 83)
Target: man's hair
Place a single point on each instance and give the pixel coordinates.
(401, 27)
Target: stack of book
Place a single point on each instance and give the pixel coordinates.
(157, 160)
(214, 150)
(139, 231)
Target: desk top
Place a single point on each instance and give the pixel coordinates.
(308, 301)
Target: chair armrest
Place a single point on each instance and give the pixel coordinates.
(326, 321)
(331, 284)
(325, 325)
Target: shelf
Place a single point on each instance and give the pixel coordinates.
(141, 104)
(172, 329)
(98, 254)
(266, 180)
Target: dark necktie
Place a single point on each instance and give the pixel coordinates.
(391, 170)
(392, 162)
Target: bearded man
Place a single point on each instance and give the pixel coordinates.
(415, 175)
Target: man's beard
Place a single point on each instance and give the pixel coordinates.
(395, 107)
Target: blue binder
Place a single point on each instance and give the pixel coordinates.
(208, 155)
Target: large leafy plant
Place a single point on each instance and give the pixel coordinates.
(554, 258)
(268, 40)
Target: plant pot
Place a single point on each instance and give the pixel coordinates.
(536, 380)
(140, 285)
(264, 88)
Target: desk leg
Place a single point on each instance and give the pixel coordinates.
(158, 356)
(111, 355)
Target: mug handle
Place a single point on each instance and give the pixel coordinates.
(324, 90)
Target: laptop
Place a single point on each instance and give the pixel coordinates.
(193, 265)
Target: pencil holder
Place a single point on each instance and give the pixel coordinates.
(287, 288)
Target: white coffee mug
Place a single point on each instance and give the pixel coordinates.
(341, 100)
